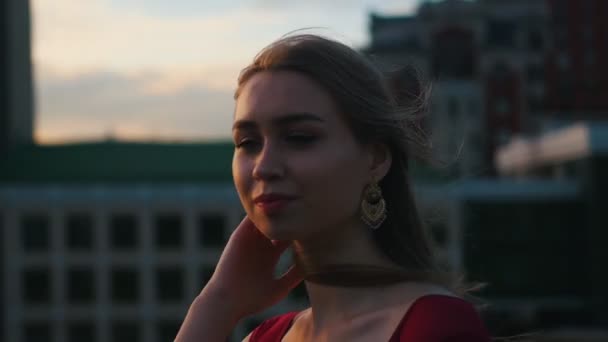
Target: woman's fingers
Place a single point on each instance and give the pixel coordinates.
(247, 233)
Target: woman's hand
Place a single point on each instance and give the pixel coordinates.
(244, 275)
(243, 283)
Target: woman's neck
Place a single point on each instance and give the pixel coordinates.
(331, 301)
(352, 245)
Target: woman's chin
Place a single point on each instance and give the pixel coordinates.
(277, 231)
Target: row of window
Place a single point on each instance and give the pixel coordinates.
(124, 285)
(78, 331)
(123, 232)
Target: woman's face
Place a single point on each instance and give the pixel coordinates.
(297, 167)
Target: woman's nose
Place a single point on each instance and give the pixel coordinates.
(268, 164)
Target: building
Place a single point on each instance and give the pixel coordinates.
(112, 242)
(517, 74)
(485, 60)
(537, 234)
(576, 77)
(16, 100)
(579, 154)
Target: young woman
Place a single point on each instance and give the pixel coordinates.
(322, 146)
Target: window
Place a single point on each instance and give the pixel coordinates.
(473, 108)
(125, 332)
(37, 286)
(439, 233)
(35, 232)
(81, 331)
(526, 237)
(453, 54)
(589, 58)
(503, 137)
(211, 229)
(563, 62)
(169, 231)
(123, 231)
(79, 232)
(502, 107)
(167, 330)
(169, 284)
(476, 139)
(453, 109)
(501, 33)
(501, 72)
(124, 285)
(535, 72)
(80, 285)
(206, 273)
(535, 103)
(37, 332)
(535, 40)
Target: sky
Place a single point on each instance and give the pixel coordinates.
(143, 70)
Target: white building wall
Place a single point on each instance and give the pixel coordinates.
(145, 202)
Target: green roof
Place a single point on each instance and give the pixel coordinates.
(118, 162)
(121, 162)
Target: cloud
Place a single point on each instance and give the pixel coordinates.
(112, 34)
(135, 106)
(84, 35)
(140, 69)
(181, 8)
(357, 7)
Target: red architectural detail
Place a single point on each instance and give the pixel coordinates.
(576, 69)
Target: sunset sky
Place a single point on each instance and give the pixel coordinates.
(164, 69)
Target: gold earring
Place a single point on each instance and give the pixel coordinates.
(373, 206)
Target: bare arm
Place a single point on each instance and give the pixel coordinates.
(208, 319)
(243, 283)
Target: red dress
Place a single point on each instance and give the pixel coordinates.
(431, 318)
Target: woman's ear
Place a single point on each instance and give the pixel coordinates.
(381, 160)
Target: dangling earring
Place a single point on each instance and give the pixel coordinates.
(373, 206)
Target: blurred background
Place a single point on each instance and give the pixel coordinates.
(116, 195)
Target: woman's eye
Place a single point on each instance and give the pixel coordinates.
(301, 138)
(246, 144)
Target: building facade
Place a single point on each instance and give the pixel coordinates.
(576, 75)
(112, 242)
(16, 99)
(535, 234)
(490, 56)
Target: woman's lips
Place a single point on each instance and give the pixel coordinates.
(273, 207)
(272, 204)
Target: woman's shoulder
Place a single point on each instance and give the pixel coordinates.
(439, 317)
(273, 328)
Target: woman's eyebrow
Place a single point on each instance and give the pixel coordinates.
(282, 120)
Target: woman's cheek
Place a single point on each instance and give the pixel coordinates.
(242, 179)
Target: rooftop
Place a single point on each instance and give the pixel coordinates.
(113, 162)
(574, 142)
(128, 163)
